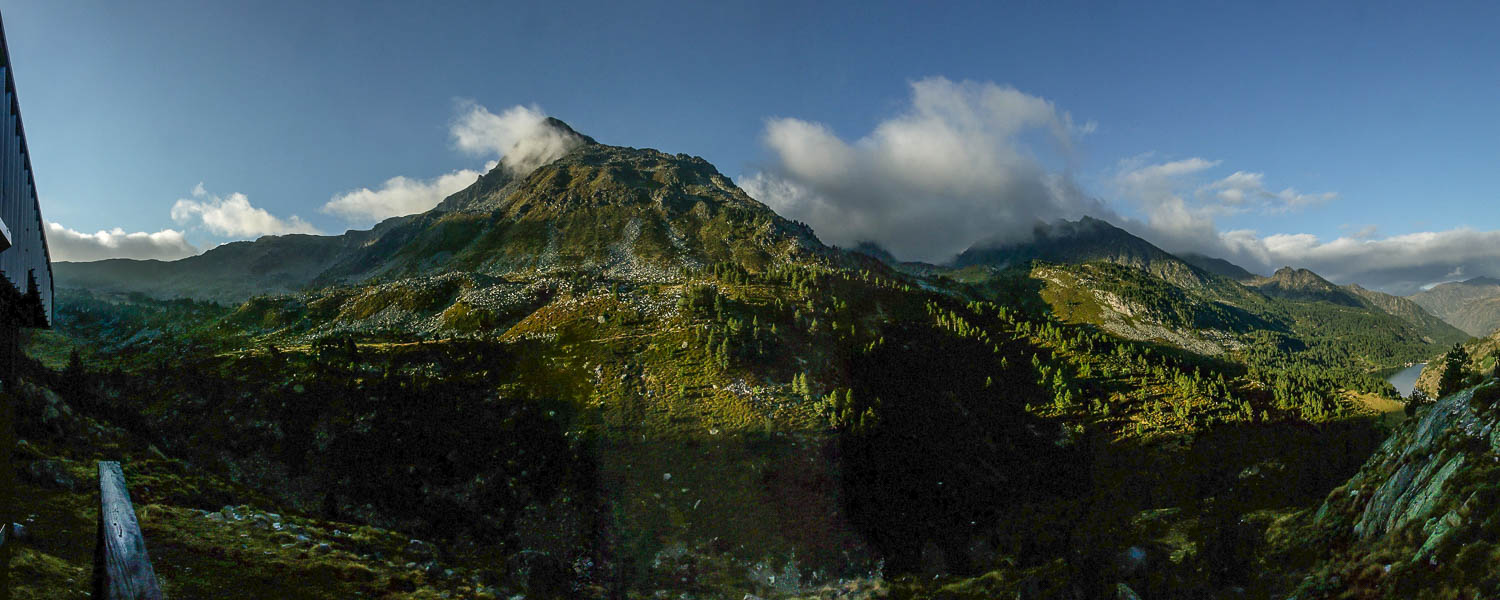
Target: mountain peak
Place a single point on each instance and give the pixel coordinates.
(1087, 239)
(544, 142)
(1301, 277)
(557, 125)
(1084, 226)
(547, 141)
(1057, 241)
(1304, 285)
(875, 251)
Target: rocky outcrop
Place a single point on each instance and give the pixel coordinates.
(1422, 512)
(1421, 466)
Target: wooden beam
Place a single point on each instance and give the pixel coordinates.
(122, 570)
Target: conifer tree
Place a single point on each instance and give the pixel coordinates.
(1453, 371)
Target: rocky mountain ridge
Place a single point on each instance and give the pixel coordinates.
(1302, 284)
(636, 214)
(1178, 302)
(1217, 266)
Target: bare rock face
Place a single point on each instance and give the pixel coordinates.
(1421, 466)
(1426, 495)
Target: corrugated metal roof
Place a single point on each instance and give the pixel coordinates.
(22, 212)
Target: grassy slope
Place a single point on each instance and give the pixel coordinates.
(1230, 319)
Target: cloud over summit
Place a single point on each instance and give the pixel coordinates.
(957, 166)
(234, 216)
(960, 165)
(520, 138)
(520, 135)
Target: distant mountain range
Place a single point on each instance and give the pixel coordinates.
(1212, 295)
(1305, 285)
(642, 215)
(1472, 305)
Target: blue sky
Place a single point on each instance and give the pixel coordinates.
(1378, 117)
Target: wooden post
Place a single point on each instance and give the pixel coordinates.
(122, 570)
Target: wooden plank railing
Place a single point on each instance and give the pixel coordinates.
(122, 570)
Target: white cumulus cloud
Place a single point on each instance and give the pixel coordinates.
(1173, 221)
(1399, 264)
(1180, 212)
(399, 196)
(1181, 208)
(1242, 191)
(949, 171)
(70, 245)
(234, 216)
